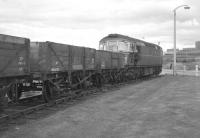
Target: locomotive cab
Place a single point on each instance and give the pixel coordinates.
(117, 44)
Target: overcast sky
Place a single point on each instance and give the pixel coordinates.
(85, 22)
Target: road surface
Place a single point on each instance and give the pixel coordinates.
(164, 107)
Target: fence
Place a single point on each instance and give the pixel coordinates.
(195, 72)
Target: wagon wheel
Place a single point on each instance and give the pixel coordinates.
(98, 80)
(47, 91)
(121, 77)
(3, 98)
(14, 93)
(111, 79)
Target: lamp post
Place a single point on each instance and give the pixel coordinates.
(185, 7)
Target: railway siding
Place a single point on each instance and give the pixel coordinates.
(162, 107)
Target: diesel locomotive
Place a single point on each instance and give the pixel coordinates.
(141, 57)
(54, 68)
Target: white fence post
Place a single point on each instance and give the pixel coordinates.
(184, 69)
(197, 70)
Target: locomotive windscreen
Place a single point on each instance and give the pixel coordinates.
(116, 46)
(112, 46)
(123, 46)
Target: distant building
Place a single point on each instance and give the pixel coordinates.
(171, 51)
(186, 55)
(189, 49)
(197, 44)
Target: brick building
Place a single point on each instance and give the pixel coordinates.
(186, 56)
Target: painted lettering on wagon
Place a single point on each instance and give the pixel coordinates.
(56, 67)
(21, 63)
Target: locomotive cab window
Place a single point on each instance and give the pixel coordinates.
(123, 46)
(112, 46)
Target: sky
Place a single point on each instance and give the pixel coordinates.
(85, 22)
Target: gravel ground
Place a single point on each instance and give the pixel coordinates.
(165, 107)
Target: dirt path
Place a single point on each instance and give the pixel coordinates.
(164, 107)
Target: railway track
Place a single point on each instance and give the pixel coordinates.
(35, 108)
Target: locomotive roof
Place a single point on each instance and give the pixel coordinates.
(127, 38)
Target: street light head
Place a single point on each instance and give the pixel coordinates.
(184, 6)
(187, 7)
